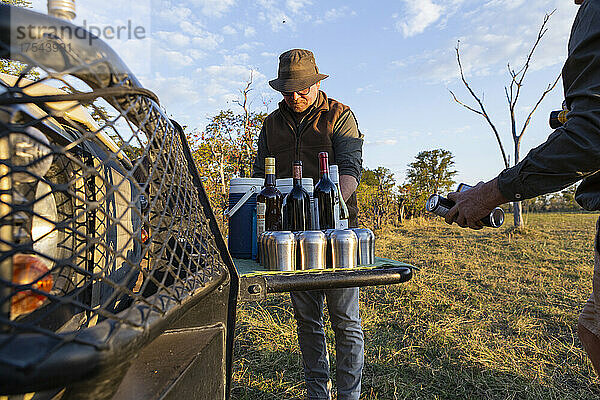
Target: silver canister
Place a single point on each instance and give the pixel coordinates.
(284, 251)
(258, 248)
(344, 247)
(262, 248)
(328, 232)
(366, 246)
(312, 247)
(269, 245)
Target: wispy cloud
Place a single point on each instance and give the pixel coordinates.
(367, 89)
(223, 82)
(249, 46)
(199, 37)
(279, 17)
(213, 8)
(419, 16)
(175, 59)
(381, 142)
(274, 16)
(170, 12)
(296, 6)
(489, 43)
(335, 14)
(229, 30)
(173, 39)
(174, 90)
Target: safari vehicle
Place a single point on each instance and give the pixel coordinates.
(115, 282)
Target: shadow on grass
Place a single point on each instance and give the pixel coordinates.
(451, 379)
(267, 362)
(418, 369)
(266, 375)
(402, 364)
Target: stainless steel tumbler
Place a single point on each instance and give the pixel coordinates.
(284, 254)
(259, 240)
(344, 248)
(269, 250)
(328, 262)
(312, 247)
(262, 248)
(366, 246)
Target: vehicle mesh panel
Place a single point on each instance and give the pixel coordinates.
(102, 221)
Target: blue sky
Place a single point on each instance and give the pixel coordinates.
(392, 62)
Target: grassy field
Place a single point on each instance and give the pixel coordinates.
(492, 314)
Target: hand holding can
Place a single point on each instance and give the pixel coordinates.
(441, 206)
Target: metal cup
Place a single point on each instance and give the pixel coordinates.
(366, 246)
(312, 247)
(284, 251)
(328, 233)
(262, 248)
(344, 247)
(269, 250)
(258, 248)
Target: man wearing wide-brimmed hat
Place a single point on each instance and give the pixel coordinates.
(306, 123)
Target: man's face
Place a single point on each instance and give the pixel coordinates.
(300, 102)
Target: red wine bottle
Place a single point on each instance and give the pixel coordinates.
(324, 196)
(296, 205)
(269, 215)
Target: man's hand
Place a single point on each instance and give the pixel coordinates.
(474, 204)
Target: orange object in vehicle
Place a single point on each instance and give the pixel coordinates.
(144, 236)
(32, 271)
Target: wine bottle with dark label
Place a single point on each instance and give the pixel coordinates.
(324, 196)
(269, 216)
(296, 205)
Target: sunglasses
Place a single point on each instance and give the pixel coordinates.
(302, 92)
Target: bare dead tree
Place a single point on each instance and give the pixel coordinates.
(244, 103)
(247, 139)
(512, 92)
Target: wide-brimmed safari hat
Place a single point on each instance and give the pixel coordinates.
(297, 71)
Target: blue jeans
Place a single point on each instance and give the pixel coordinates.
(349, 343)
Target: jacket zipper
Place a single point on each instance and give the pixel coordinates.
(299, 129)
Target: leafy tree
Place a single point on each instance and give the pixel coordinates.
(560, 201)
(376, 197)
(409, 205)
(431, 172)
(226, 148)
(568, 197)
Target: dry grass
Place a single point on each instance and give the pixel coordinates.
(491, 315)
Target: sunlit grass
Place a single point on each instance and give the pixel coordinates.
(491, 315)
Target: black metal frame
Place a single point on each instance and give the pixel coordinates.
(72, 357)
(233, 274)
(256, 287)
